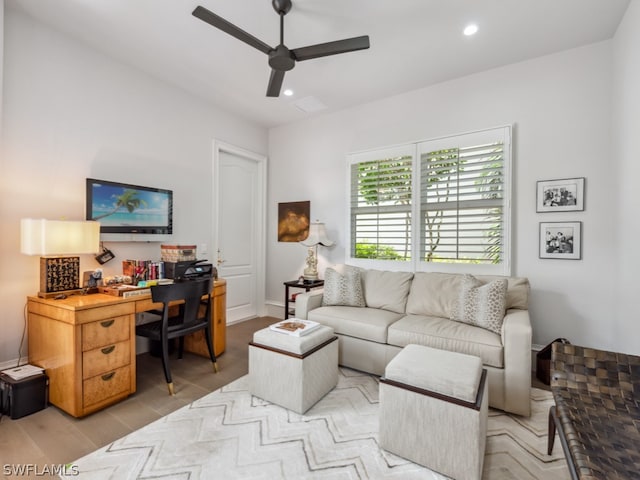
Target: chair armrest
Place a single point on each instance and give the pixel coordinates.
(516, 339)
(305, 302)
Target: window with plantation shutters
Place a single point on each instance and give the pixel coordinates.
(381, 207)
(438, 205)
(462, 199)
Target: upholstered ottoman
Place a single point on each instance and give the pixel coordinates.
(293, 372)
(433, 410)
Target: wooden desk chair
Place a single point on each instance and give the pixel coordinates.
(196, 298)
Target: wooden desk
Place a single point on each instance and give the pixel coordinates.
(86, 344)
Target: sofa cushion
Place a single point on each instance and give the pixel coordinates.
(481, 304)
(365, 323)
(449, 335)
(433, 294)
(517, 290)
(343, 286)
(386, 290)
(457, 375)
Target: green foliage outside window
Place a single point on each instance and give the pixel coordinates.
(378, 252)
(451, 181)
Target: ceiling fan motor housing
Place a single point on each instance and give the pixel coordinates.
(281, 59)
(281, 6)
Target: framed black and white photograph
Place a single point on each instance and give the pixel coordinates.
(565, 195)
(561, 240)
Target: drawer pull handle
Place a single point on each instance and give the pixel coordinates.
(108, 376)
(108, 350)
(107, 323)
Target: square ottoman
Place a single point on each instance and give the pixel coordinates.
(293, 372)
(433, 410)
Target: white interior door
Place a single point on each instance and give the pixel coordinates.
(239, 182)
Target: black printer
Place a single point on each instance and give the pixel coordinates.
(189, 270)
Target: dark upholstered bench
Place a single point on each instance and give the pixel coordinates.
(596, 412)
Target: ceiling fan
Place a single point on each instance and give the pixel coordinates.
(281, 59)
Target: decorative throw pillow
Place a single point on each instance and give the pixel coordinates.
(482, 305)
(343, 286)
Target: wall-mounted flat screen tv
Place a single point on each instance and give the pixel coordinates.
(130, 209)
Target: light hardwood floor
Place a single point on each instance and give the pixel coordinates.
(51, 437)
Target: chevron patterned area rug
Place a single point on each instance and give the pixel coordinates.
(231, 434)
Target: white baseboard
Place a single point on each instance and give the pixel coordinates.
(274, 309)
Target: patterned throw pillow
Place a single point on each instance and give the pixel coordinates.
(482, 305)
(343, 286)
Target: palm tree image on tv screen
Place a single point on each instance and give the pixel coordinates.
(124, 208)
(129, 199)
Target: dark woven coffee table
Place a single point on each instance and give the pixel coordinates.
(596, 412)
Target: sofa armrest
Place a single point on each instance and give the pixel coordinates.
(305, 302)
(516, 339)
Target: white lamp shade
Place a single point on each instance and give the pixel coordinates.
(317, 236)
(58, 237)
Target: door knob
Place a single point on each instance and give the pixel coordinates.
(220, 260)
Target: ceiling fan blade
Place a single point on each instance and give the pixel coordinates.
(220, 23)
(275, 83)
(331, 48)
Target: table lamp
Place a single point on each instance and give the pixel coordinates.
(317, 236)
(54, 240)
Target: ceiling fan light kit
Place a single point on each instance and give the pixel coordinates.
(281, 59)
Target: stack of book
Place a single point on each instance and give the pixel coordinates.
(124, 291)
(141, 270)
(294, 327)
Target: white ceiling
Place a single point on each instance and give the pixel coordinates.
(414, 43)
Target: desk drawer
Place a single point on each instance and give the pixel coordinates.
(105, 332)
(101, 387)
(104, 359)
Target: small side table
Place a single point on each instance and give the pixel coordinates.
(306, 286)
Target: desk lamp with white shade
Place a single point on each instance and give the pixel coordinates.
(54, 241)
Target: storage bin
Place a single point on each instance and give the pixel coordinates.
(293, 372)
(543, 362)
(19, 398)
(434, 410)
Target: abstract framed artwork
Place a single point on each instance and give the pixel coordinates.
(293, 221)
(564, 195)
(561, 240)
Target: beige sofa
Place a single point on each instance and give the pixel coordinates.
(402, 308)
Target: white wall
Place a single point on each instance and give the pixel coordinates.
(560, 106)
(626, 125)
(71, 113)
(1, 64)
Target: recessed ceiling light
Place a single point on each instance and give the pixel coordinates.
(288, 92)
(470, 29)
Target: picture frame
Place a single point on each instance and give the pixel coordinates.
(562, 195)
(561, 240)
(293, 221)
